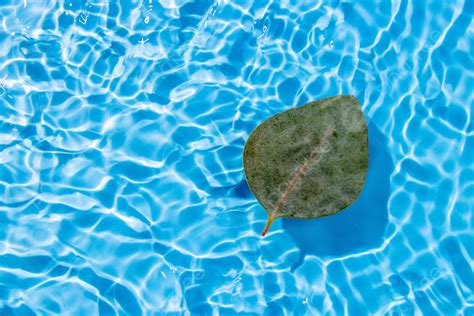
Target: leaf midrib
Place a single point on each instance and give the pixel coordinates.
(301, 172)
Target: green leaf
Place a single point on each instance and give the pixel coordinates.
(310, 161)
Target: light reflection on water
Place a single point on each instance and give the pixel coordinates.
(122, 129)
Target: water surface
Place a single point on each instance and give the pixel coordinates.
(121, 137)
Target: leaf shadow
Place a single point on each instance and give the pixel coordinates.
(362, 225)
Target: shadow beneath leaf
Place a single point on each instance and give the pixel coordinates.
(359, 227)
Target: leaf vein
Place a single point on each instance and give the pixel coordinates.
(318, 149)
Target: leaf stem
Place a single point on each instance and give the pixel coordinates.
(267, 226)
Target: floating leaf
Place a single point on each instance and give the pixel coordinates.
(308, 162)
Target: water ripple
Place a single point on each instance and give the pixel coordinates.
(121, 134)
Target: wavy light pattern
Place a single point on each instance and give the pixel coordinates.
(122, 129)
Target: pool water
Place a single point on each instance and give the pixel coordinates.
(122, 125)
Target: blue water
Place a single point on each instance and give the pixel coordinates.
(122, 128)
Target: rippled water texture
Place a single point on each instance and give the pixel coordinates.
(122, 130)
